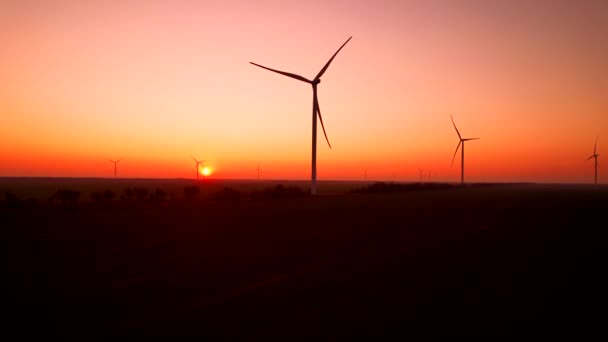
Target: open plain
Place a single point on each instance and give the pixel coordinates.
(416, 261)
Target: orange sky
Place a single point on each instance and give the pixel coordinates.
(154, 82)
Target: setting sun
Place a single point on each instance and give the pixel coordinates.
(206, 171)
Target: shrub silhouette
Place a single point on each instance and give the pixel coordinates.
(160, 195)
(127, 193)
(31, 202)
(227, 194)
(105, 196)
(65, 196)
(11, 200)
(279, 191)
(382, 187)
(96, 196)
(109, 195)
(190, 192)
(140, 193)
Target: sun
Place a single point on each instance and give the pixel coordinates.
(206, 171)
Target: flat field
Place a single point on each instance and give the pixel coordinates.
(482, 260)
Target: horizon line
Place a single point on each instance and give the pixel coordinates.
(291, 180)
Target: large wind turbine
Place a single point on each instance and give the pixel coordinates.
(595, 155)
(315, 110)
(197, 164)
(461, 141)
(115, 162)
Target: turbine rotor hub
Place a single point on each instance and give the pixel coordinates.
(315, 82)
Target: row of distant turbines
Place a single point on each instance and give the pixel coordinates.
(198, 168)
(316, 110)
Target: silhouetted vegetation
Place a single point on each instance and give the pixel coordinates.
(227, 194)
(140, 193)
(160, 195)
(190, 192)
(383, 188)
(65, 197)
(11, 200)
(127, 193)
(109, 195)
(279, 192)
(105, 196)
(96, 196)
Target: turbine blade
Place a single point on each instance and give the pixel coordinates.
(470, 139)
(321, 118)
(288, 74)
(457, 147)
(331, 59)
(595, 146)
(455, 127)
(590, 157)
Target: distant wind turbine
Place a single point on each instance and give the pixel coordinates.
(595, 155)
(115, 162)
(258, 170)
(315, 110)
(461, 141)
(197, 164)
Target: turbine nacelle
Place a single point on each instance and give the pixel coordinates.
(315, 82)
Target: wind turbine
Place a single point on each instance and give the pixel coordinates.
(258, 169)
(462, 140)
(115, 162)
(315, 110)
(595, 155)
(197, 164)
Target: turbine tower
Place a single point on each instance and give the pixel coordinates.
(115, 162)
(595, 155)
(197, 164)
(315, 110)
(461, 141)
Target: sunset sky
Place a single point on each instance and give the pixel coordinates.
(156, 82)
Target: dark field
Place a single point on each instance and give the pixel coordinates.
(493, 260)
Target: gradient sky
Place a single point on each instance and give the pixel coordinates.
(154, 82)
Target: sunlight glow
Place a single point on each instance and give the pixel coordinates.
(206, 171)
(160, 81)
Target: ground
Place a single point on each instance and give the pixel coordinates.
(494, 260)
